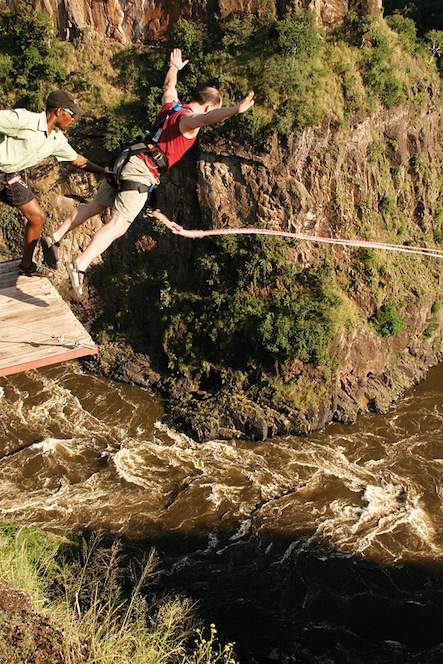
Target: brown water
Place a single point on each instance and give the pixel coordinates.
(319, 549)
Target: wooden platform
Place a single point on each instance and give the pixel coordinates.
(37, 327)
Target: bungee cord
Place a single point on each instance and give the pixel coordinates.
(365, 244)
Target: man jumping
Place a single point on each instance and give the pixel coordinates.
(27, 138)
(177, 136)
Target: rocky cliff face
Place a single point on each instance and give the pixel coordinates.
(140, 20)
(331, 183)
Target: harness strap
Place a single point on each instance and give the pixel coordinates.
(157, 156)
(155, 132)
(132, 185)
(150, 148)
(153, 135)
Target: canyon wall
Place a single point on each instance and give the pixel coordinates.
(143, 20)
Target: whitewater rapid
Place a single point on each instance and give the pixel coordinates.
(78, 451)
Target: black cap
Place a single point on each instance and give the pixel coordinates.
(62, 99)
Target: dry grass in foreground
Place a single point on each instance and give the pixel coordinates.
(87, 604)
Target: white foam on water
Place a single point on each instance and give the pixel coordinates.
(180, 439)
(53, 445)
(380, 500)
(423, 526)
(129, 464)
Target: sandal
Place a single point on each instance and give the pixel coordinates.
(35, 270)
(77, 277)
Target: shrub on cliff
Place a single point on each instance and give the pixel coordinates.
(405, 27)
(237, 31)
(297, 36)
(387, 321)
(379, 74)
(434, 39)
(391, 58)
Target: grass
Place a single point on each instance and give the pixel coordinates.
(101, 603)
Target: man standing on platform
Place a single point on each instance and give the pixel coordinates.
(26, 139)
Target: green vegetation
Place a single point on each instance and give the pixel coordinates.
(379, 75)
(98, 605)
(251, 303)
(301, 75)
(31, 58)
(11, 229)
(387, 321)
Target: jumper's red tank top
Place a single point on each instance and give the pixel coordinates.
(172, 142)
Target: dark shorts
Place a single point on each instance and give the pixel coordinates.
(14, 190)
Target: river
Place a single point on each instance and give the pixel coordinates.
(323, 549)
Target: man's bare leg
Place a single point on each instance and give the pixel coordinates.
(35, 218)
(77, 217)
(103, 238)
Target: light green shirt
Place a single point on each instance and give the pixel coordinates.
(24, 141)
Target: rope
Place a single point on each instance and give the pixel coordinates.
(198, 234)
(59, 339)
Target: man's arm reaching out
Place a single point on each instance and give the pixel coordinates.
(176, 63)
(190, 122)
(85, 165)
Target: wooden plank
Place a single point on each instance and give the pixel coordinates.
(37, 328)
(9, 266)
(43, 355)
(18, 353)
(45, 362)
(41, 317)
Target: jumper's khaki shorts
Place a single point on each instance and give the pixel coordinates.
(127, 203)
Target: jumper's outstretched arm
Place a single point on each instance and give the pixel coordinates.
(176, 63)
(197, 120)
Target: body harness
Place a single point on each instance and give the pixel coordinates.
(149, 147)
